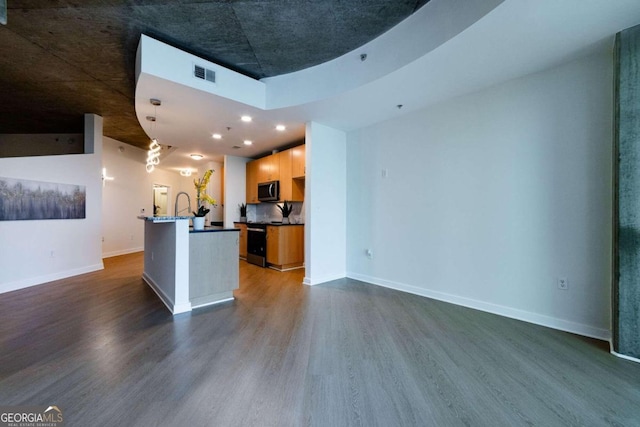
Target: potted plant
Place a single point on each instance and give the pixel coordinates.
(286, 209)
(202, 197)
(243, 212)
(199, 217)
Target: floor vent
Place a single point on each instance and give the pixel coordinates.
(236, 147)
(204, 73)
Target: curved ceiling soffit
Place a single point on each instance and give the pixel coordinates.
(479, 57)
(432, 25)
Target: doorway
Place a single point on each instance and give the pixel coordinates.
(160, 199)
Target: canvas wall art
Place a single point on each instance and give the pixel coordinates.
(22, 199)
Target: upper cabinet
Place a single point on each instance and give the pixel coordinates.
(269, 168)
(252, 182)
(286, 183)
(287, 166)
(298, 169)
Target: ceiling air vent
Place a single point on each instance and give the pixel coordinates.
(236, 147)
(204, 73)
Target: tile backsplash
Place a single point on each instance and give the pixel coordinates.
(267, 212)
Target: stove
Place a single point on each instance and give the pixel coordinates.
(257, 243)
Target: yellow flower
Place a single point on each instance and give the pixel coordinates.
(201, 189)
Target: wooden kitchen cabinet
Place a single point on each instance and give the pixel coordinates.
(297, 189)
(242, 240)
(269, 168)
(261, 169)
(285, 246)
(298, 162)
(274, 167)
(286, 183)
(273, 244)
(287, 166)
(291, 188)
(298, 173)
(252, 182)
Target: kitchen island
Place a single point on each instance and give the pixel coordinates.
(186, 268)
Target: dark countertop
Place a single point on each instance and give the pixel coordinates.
(209, 229)
(163, 218)
(276, 223)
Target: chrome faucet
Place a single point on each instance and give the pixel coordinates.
(188, 201)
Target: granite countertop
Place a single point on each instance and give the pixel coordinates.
(163, 218)
(207, 229)
(212, 228)
(276, 223)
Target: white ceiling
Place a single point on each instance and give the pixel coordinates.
(188, 118)
(518, 37)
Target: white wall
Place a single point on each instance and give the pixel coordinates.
(491, 197)
(235, 182)
(325, 204)
(214, 189)
(35, 252)
(131, 191)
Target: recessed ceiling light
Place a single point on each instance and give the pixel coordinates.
(246, 118)
(197, 156)
(281, 128)
(217, 136)
(247, 142)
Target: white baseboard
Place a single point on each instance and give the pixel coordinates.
(622, 356)
(285, 269)
(122, 252)
(39, 280)
(173, 308)
(207, 304)
(514, 313)
(311, 281)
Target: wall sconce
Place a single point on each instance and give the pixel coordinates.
(105, 177)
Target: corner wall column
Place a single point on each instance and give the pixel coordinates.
(626, 283)
(325, 199)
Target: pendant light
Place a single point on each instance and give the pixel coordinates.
(153, 155)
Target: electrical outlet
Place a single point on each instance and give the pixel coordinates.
(385, 173)
(563, 283)
(369, 253)
(52, 254)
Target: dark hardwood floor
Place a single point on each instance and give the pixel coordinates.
(104, 349)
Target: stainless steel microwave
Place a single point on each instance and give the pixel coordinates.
(269, 191)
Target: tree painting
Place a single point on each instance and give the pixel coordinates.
(22, 199)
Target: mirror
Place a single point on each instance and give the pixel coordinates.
(160, 199)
